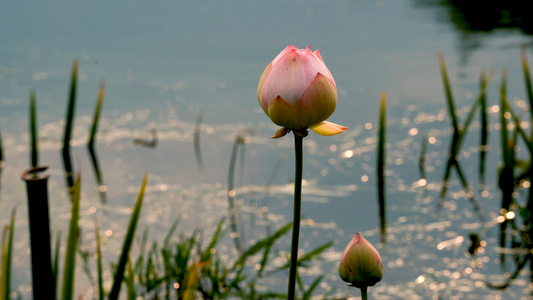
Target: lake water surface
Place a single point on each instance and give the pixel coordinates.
(165, 61)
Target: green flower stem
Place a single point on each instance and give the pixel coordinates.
(364, 295)
(298, 141)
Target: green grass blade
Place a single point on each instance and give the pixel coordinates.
(7, 255)
(448, 91)
(506, 152)
(4, 273)
(262, 244)
(197, 131)
(311, 254)
(422, 158)
(484, 126)
(171, 232)
(381, 165)
(207, 254)
(1, 152)
(506, 176)
(527, 78)
(72, 244)
(307, 295)
(100, 279)
(96, 116)
(231, 195)
(130, 282)
(33, 131)
(92, 139)
(457, 138)
(55, 266)
(69, 121)
(128, 240)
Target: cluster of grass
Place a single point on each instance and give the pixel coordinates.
(180, 269)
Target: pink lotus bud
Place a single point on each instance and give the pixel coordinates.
(298, 92)
(361, 264)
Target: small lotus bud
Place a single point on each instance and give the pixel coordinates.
(361, 264)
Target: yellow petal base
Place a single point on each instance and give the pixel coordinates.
(327, 128)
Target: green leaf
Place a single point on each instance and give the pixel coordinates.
(72, 244)
(128, 240)
(261, 244)
(7, 253)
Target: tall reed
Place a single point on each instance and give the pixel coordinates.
(381, 166)
(67, 161)
(92, 139)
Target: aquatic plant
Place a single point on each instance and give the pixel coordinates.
(297, 92)
(361, 264)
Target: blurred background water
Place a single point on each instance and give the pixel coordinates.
(165, 61)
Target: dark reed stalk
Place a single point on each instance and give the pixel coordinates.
(484, 127)
(39, 225)
(67, 161)
(7, 257)
(67, 292)
(506, 175)
(231, 194)
(527, 79)
(422, 158)
(92, 139)
(455, 144)
(126, 246)
(381, 166)
(33, 132)
(1, 152)
(197, 149)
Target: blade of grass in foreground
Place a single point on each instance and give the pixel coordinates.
(128, 240)
(92, 139)
(33, 131)
(381, 166)
(7, 254)
(55, 266)
(4, 273)
(267, 242)
(99, 268)
(67, 162)
(72, 243)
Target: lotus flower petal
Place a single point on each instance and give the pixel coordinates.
(281, 133)
(297, 91)
(318, 101)
(327, 128)
(283, 114)
(264, 104)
